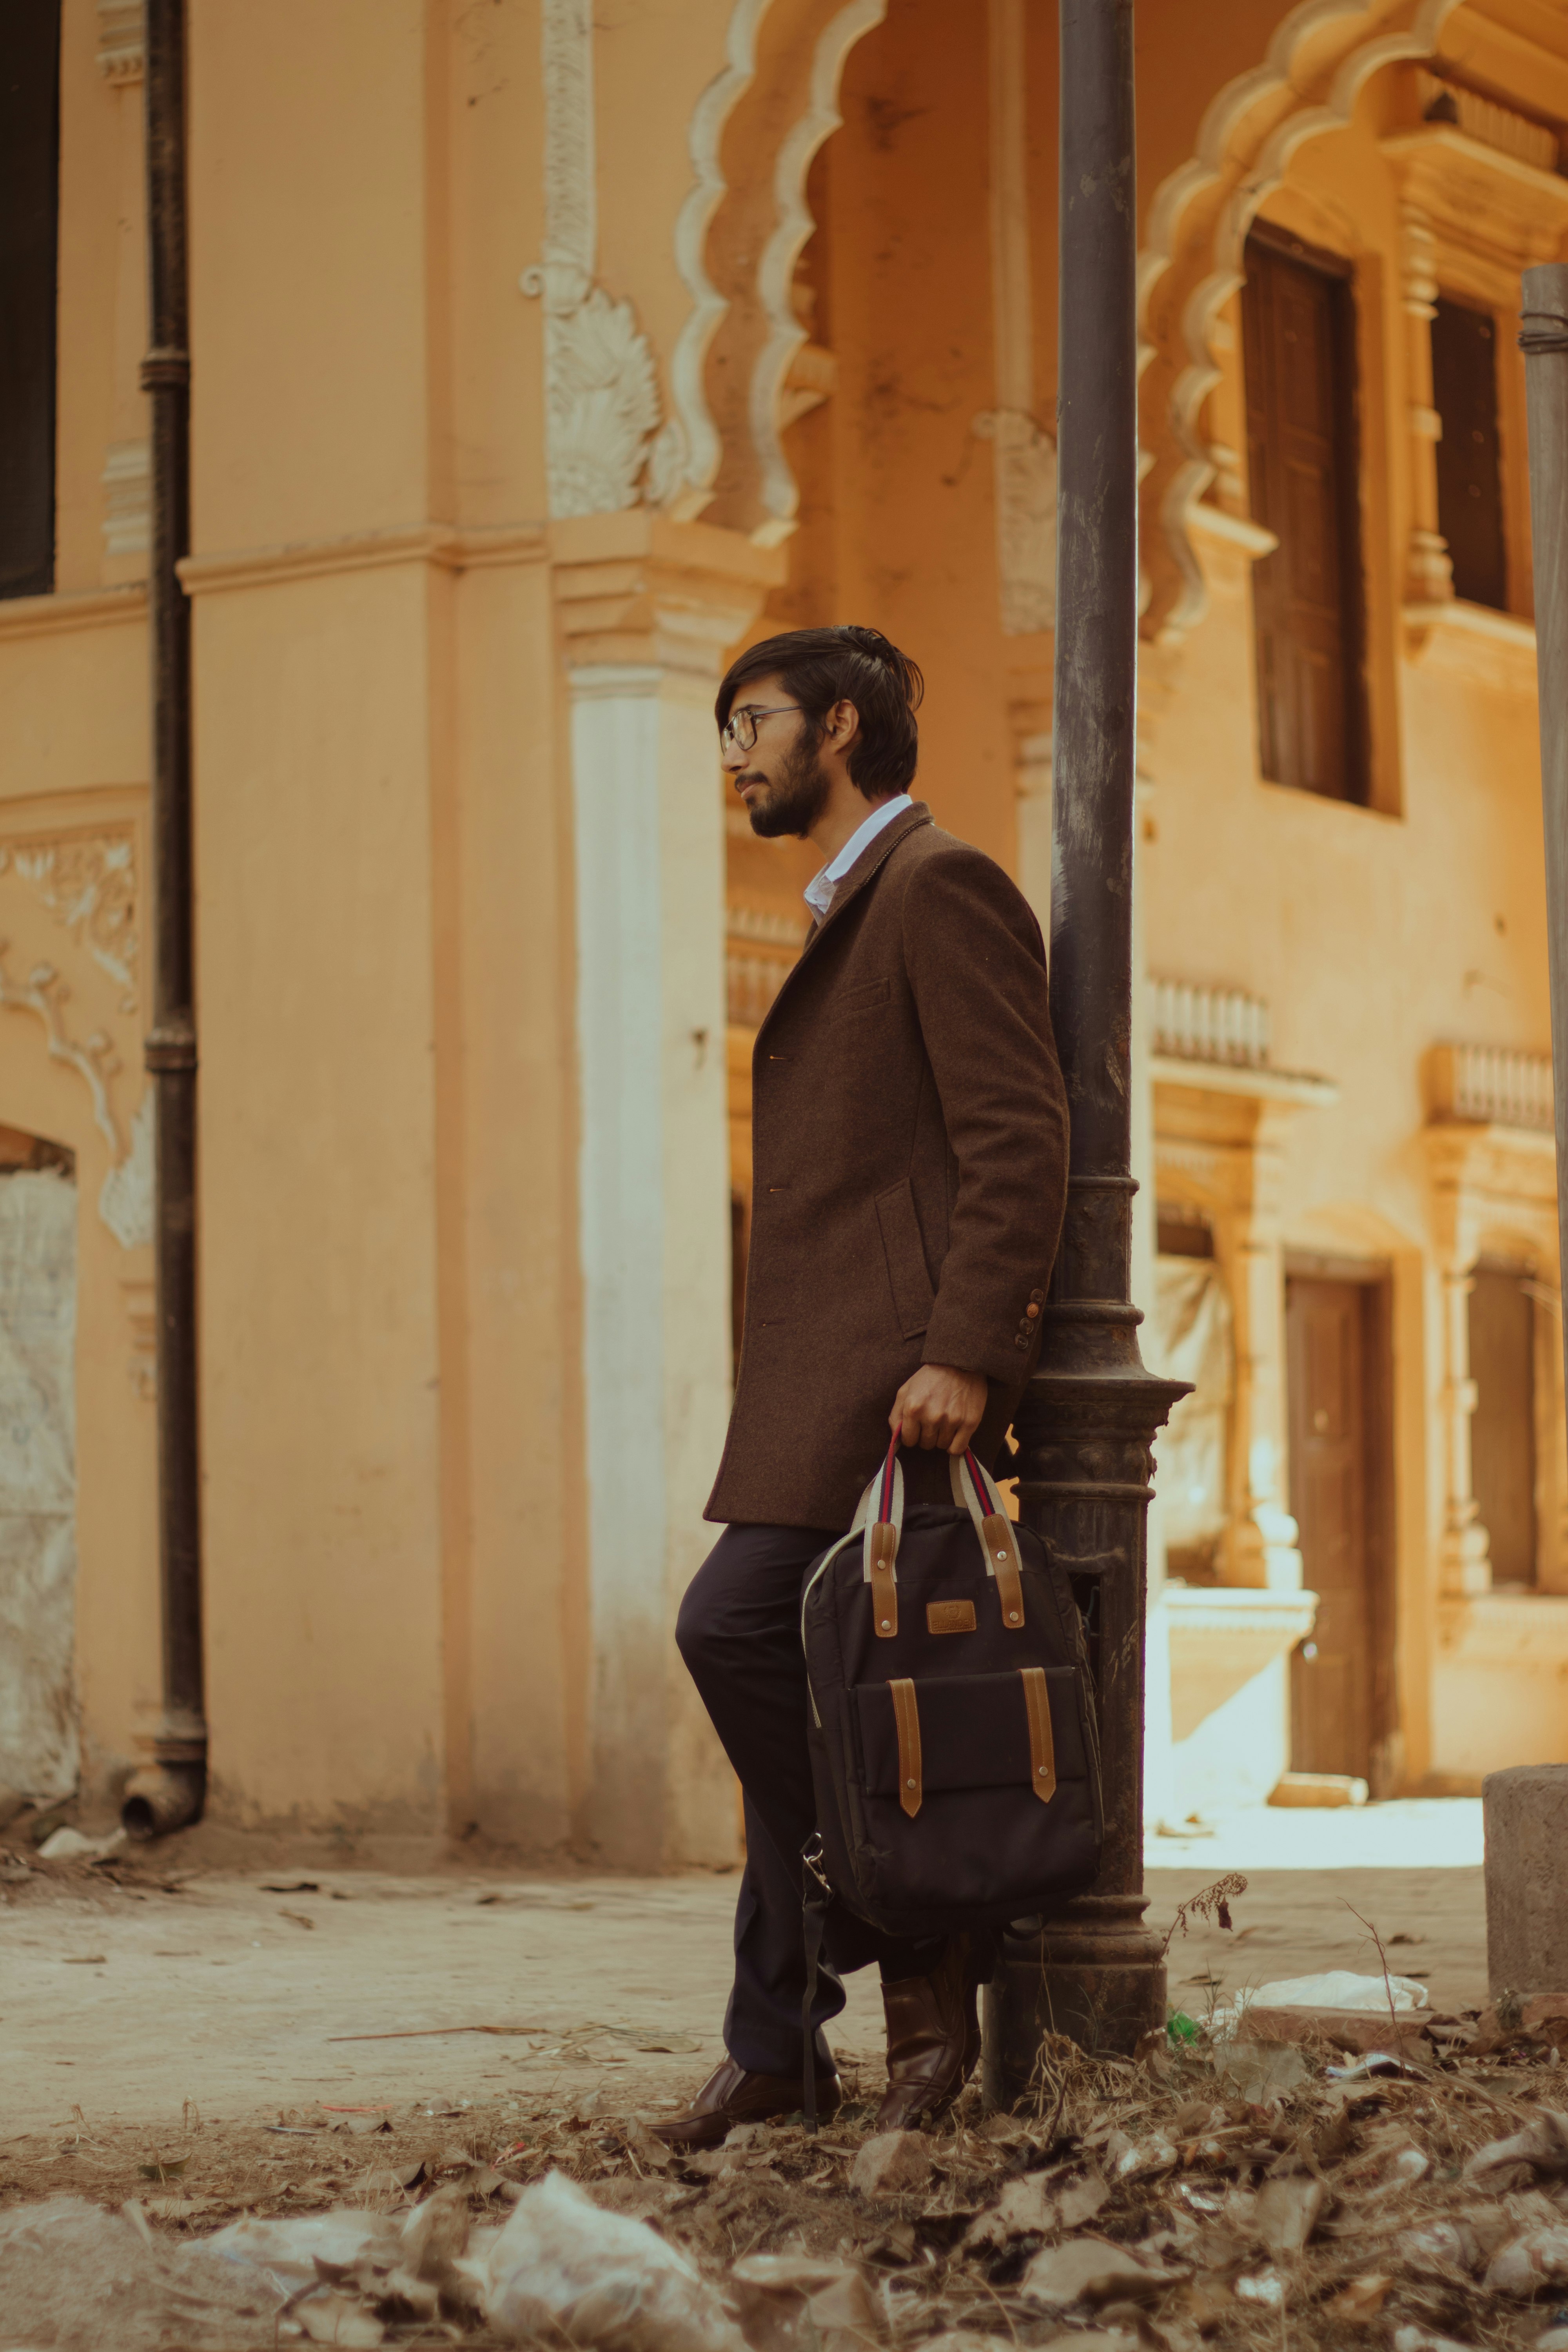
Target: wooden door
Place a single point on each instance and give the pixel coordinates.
(1298, 329)
(1335, 1674)
(1502, 1427)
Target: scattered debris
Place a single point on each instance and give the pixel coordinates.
(69, 1845)
(562, 2267)
(891, 2162)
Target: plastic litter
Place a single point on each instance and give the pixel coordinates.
(69, 1845)
(561, 2267)
(290, 2249)
(1335, 1989)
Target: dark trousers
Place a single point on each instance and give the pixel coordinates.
(738, 1632)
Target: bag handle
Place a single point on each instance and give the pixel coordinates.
(975, 1487)
(879, 1521)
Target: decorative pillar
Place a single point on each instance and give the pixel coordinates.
(1032, 778)
(1429, 575)
(1085, 1428)
(648, 609)
(1260, 1541)
(1464, 1565)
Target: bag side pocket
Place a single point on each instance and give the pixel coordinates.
(909, 1277)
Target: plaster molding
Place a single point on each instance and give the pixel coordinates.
(641, 597)
(704, 451)
(84, 608)
(88, 883)
(779, 491)
(127, 480)
(1255, 165)
(1025, 453)
(122, 39)
(604, 444)
(1235, 530)
(1497, 649)
(440, 545)
(1255, 1085)
(1025, 519)
(94, 1060)
(125, 1196)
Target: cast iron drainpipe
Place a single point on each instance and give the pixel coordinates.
(170, 1792)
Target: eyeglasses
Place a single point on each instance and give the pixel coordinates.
(740, 732)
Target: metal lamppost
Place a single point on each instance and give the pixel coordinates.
(1087, 1423)
(1545, 344)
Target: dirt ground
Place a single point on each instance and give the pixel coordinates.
(182, 2045)
(153, 2015)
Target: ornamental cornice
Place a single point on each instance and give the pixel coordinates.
(637, 589)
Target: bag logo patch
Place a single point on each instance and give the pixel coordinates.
(950, 1616)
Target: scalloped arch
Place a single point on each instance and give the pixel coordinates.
(1258, 165)
(707, 192)
(772, 492)
(779, 491)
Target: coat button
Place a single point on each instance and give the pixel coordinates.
(1038, 1296)
(1031, 1310)
(1021, 1341)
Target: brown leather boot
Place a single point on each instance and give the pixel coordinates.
(933, 2040)
(731, 2096)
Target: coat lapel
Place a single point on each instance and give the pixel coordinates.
(864, 870)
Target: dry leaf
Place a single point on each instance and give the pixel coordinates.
(1358, 2303)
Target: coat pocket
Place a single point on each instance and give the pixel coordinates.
(909, 1277)
(866, 996)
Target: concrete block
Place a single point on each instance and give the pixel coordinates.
(1525, 1812)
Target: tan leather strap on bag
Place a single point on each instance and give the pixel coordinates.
(1002, 1556)
(981, 1498)
(883, 1545)
(1041, 1746)
(906, 1714)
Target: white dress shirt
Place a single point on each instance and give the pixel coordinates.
(820, 889)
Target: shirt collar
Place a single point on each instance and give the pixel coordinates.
(819, 889)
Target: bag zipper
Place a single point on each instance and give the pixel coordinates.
(828, 1558)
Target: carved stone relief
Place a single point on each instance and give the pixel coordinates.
(1025, 519)
(606, 447)
(86, 883)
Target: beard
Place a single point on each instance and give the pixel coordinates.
(795, 803)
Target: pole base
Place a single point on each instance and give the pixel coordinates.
(1094, 1974)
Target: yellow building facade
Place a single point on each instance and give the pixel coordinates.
(541, 356)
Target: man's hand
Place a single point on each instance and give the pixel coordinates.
(938, 1406)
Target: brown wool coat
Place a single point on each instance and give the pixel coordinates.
(910, 1133)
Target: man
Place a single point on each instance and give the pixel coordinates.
(910, 1173)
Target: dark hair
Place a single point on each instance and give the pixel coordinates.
(822, 667)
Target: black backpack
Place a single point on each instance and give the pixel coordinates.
(951, 1724)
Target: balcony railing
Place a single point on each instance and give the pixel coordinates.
(759, 949)
(1492, 1086)
(1207, 1024)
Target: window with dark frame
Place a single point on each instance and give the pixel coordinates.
(1299, 347)
(29, 237)
(1469, 456)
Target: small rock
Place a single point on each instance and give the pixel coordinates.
(891, 2162)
